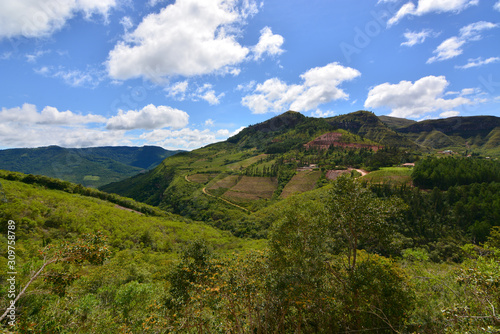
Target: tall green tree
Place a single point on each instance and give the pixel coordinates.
(358, 217)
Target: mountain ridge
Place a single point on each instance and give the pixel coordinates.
(252, 168)
(93, 166)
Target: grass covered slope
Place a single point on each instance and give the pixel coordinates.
(301, 182)
(389, 175)
(44, 215)
(75, 297)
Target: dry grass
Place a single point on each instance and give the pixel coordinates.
(263, 187)
(251, 189)
(333, 174)
(201, 178)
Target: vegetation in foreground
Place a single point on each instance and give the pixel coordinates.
(322, 270)
(358, 254)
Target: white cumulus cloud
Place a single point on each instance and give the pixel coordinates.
(497, 5)
(320, 85)
(450, 113)
(269, 43)
(323, 114)
(187, 38)
(31, 18)
(45, 135)
(178, 90)
(407, 99)
(148, 118)
(89, 77)
(182, 90)
(406, 9)
(25, 126)
(453, 46)
(186, 138)
(28, 114)
(207, 93)
(430, 6)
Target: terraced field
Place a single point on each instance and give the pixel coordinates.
(301, 182)
(333, 174)
(227, 182)
(252, 188)
(200, 178)
(247, 162)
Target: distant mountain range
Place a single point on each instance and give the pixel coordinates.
(285, 133)
(92, 167)
(264, 162)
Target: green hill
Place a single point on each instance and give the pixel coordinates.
(47, 214)
(459, 133)
(255, 169)
(465, 127)
(88, 166)
(90, 297)
(334, 251)
(369, 126)
(265, 157)
(396, 122)
(493, 141)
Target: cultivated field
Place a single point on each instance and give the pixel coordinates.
(333, 174)
(393, 175)
(252, 188)
(301, 182)
(247, 162)
(227, 182)
(200, 178)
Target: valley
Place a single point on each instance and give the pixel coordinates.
(91, 167)
(334, 219)
(249, 167)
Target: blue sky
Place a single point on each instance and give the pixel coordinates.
(185, 73)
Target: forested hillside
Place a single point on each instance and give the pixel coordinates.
(90, 167)
(318, 271)
(85, 296)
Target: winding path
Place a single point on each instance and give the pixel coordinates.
(204, 190)
(225, 200)
(362, 172)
